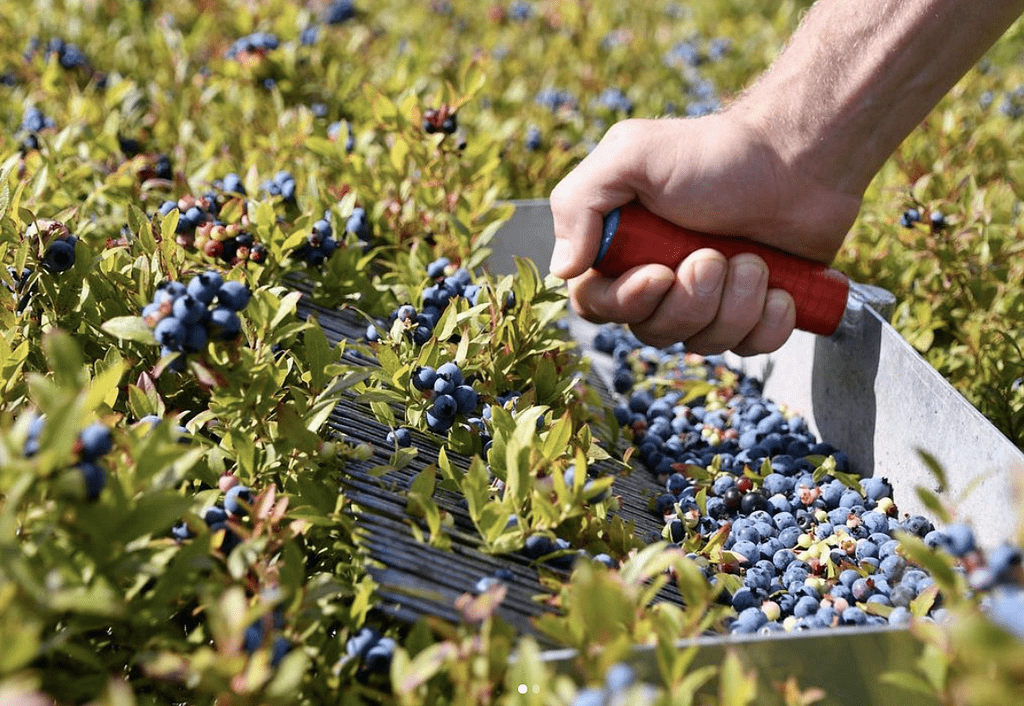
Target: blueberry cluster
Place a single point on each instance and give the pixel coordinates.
(451, 395)
(184, 318)
(260, 630)
(339, 11)
(936, 219)
(256, 43)
(520, 10)
(441, 119)
(93, 442)
(556, 99)
(358, 224)
(334, 133)
(373, 651)
(534, 139)
(282, 184)
(813, 547)
(200, 227)
(319, 246)
(237, 502)
(69, 55)
(615, 100)
(419, 325)
(19, 287)
(33, 122)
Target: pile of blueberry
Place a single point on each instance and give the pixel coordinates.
(419, 325)
(199, 226)
(750, 491)
(450, 394)
(319, 246)
(185, 317)
(93, 442)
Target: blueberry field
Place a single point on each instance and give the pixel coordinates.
(272, 430)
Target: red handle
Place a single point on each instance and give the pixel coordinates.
(641, 238)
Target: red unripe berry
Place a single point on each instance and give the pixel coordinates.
(213, 248)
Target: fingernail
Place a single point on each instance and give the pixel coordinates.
(776, 311)
(709, 275)
(748, 278)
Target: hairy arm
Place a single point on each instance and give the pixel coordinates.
(786, 164)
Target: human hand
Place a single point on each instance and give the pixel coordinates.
(717, 175)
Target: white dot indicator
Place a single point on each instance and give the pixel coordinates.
(522, 688)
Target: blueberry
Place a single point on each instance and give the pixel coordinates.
(225, 324)
(233, 295)
(59, 256)
(443, 386)
(254, 636)
(237, 501)
(960, 540)
(170, 332)
(619, 677)
(451, 372)
(188, 310)
(204, 286)
(437, 424)
(96, 441)
(360, 643)
(402, 437)
(195, 338)
(423, 377)
(279, 649)
(214, 515)
(95, 478)
(466, 398)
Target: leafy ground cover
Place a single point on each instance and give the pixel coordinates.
(173, 175)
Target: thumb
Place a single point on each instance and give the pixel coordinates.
(600, 183)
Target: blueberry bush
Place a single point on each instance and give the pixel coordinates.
(184, 185)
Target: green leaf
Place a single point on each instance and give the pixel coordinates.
(129, 328)
(932, 502)
(735, 687)
(318, 354)
(935, 467)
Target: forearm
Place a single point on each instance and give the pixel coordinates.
(859, 75)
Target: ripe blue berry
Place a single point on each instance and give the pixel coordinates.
(59, 256)
(188, 310)
(96, 441)
(423, 378)
(237, 501)
(170, 332)
(233, 295)
(224, 324)
(203, 287)
(95, 478)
